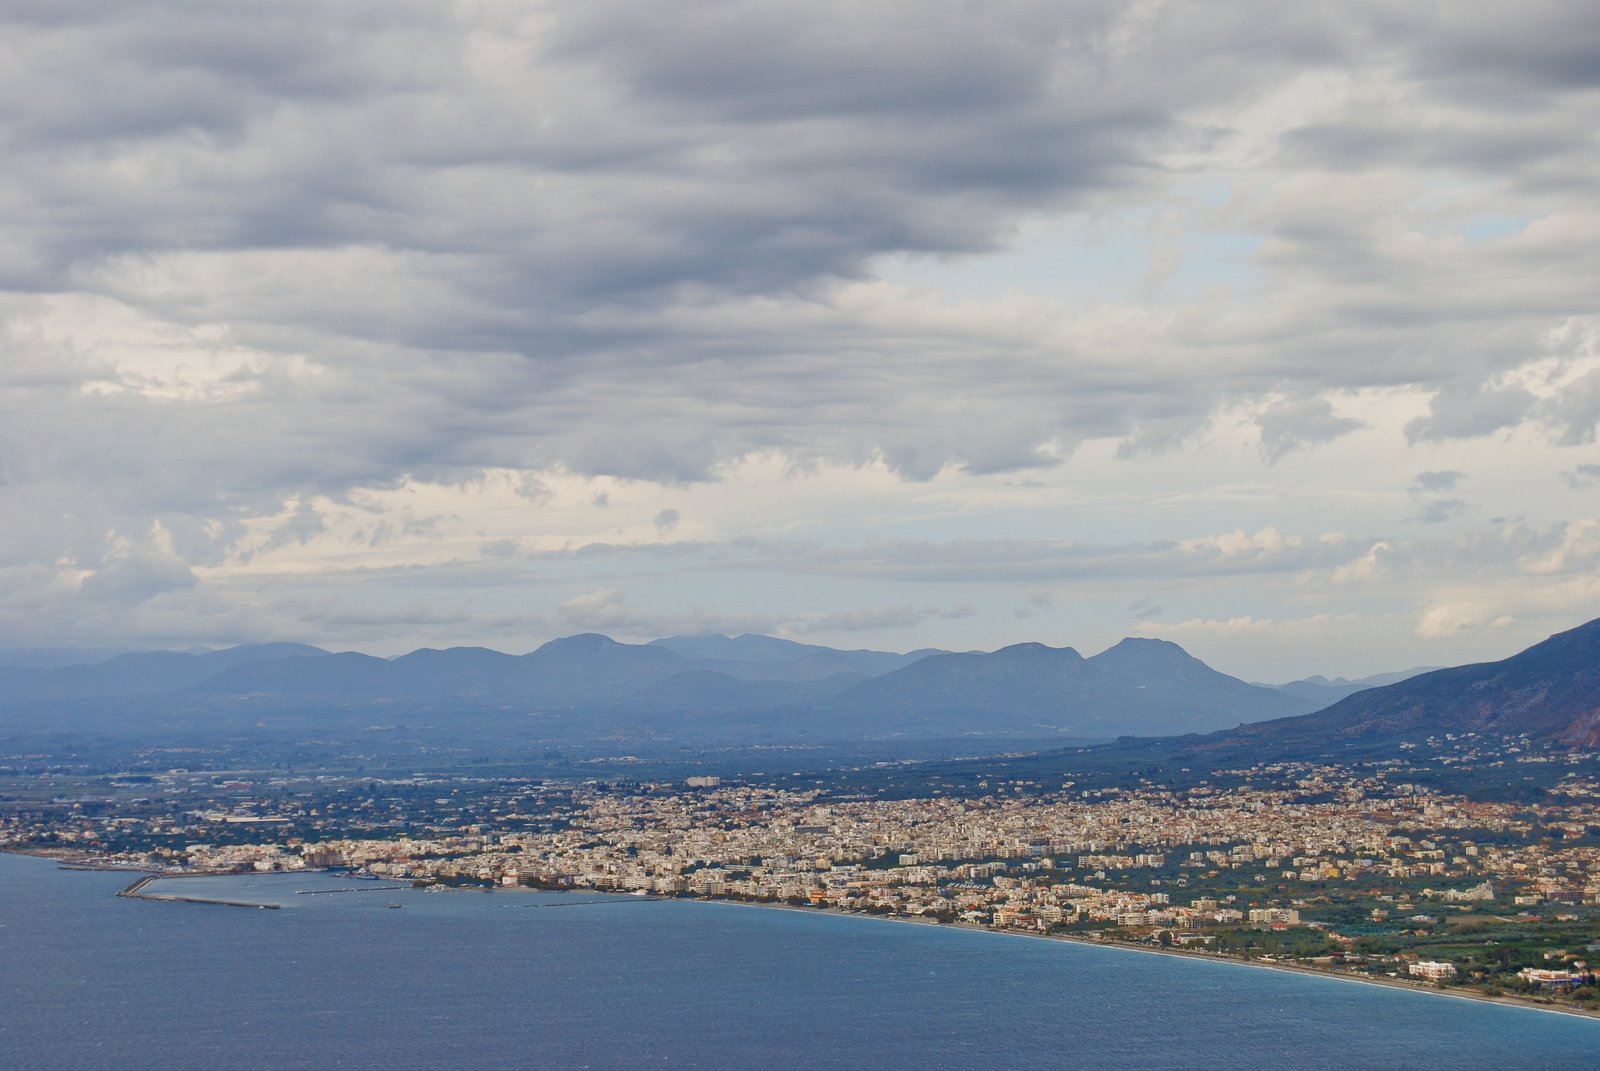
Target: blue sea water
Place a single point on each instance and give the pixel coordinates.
(515, 979)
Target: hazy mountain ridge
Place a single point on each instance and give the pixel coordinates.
(715, 687)
(1138, 687)
(589, 687)
(152, 673)
(1324, 692)
(753, 650)
(1549, 692)
(1546, 698)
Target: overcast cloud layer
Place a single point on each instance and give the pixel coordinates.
(1273, 332)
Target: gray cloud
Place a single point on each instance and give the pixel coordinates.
(1442, 510)
(1437, 480)
(607, 610)
(301, 527)
(602, 610)
(1145, 610)
(1549, 45)
(1492, 91)
(402, 216)
(1585, 475)
(1575, 412)
(1290, 425)
(1024, 561)
(1468, 413)
(869, 619)
(1425, 489)
(1039, 602)
(138, 577)
(253, 257)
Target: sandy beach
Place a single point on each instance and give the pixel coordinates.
(1530, 1003)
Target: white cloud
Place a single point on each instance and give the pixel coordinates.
(600, 610)
(1450, 618)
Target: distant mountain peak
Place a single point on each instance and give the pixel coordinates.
(1148, 641)
(1139, 652)
(752, 648)
(269, 650)
(1146, 644)
(1035, 649)
(745, 647)
(581, 641)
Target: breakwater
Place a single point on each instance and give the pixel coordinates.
(136, 891)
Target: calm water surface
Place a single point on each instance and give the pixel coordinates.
(517, 979)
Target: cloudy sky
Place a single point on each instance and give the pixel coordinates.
(1271, 329)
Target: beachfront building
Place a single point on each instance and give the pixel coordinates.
(1432, 971)
(1540, 978)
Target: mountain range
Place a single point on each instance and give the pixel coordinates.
(733, 691)
(705, 688)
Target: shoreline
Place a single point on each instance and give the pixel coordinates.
(1405, 985)
(1204, 957)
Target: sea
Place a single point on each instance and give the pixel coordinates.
(349, 973)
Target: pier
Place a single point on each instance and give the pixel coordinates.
(329, 892)
(596, 903)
